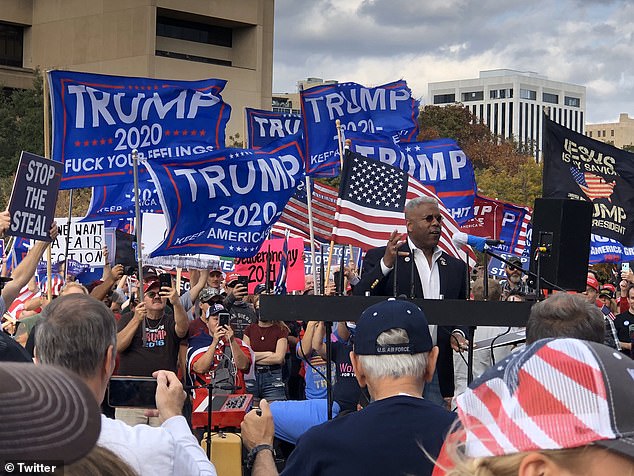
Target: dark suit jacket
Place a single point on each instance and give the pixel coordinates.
(452, 273)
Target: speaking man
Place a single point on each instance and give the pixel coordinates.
(436, 275)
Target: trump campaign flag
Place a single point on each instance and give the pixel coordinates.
(500, 220)
(264, 127)
(389, 109)
(438, 164)
(224, 202)
(581, 168)
(114, 202)
(372, 198)
(98, 120)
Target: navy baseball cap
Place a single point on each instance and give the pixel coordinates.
(392, 314)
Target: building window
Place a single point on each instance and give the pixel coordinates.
(187, 57)
(551, 98)
(444, 98)
(589, 133)
(194, 31)
(528, 94)
(473, 96)
(612, 133)
(11, 43)
(570, 101)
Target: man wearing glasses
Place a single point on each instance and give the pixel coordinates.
(436, 276)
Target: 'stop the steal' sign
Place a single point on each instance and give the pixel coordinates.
(34, 196)
(98, 120)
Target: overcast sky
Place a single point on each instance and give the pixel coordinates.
(585, 42)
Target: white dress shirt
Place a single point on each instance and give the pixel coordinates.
(428, 274)
(170, 449)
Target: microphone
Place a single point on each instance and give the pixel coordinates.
(460, 239)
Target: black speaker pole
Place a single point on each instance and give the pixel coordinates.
(329, 397)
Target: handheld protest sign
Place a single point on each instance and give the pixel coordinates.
(34, 196)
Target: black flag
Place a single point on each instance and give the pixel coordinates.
(581, 168)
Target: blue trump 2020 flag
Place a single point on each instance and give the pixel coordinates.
(440, 164)
(264, 127)
(111, 202)
(388, 109)
(98, 120)
(224, 202)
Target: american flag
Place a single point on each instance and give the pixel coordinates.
(522, 243)
(371, 201)
(17, 306)
(323, 203)
(594, 186)
(551, 395)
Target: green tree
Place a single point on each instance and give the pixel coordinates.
(22, 128)
(503, 169)
(21, 125)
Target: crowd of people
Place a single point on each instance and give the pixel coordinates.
(401, 403)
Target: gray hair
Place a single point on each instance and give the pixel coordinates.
(565, 315)
(73, 284)
(394, 366)
(418, 201)
(75, 333)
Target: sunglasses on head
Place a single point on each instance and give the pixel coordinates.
(430, 218)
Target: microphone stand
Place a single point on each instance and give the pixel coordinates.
(210, 386)
(539, 280)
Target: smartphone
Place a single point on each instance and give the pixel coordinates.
(625, 267)
(139, 392)
(223, 319)
(165, 279)
(244, 280)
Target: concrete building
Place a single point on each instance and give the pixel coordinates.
(511, 102)
(619, 134)
(172, 39)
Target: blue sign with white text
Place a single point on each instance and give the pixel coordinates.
(225, 202)
(98, 120)
(264, 127)
(439, 164)
(110, 202)
(388, 109)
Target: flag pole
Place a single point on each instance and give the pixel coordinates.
(137, 222)
(340, 144)
(137, 230)
(47, 154)
(309, 205)
(70, 217)
(179, 274)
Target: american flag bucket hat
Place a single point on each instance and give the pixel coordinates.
(554, 394)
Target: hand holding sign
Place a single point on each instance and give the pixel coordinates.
(34, 196)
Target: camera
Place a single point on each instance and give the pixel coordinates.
(129, 270)
(139, 392)
(223, 319)
(165, 279)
